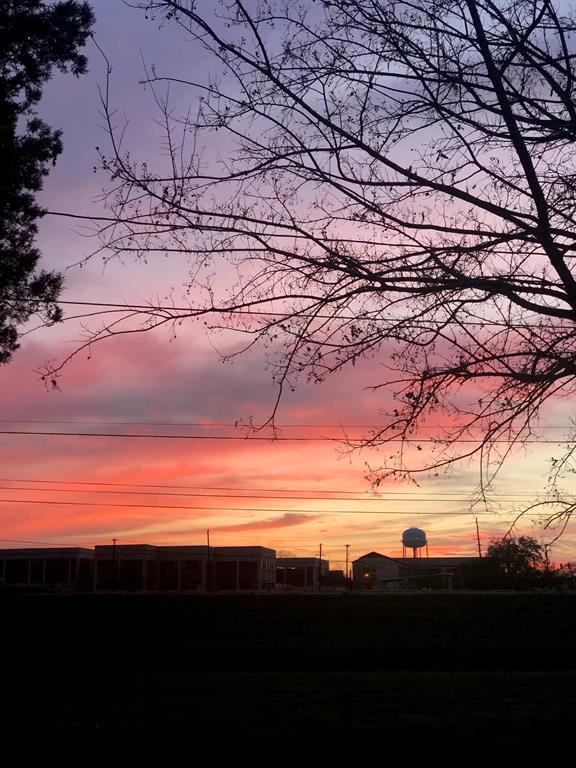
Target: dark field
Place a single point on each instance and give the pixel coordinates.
(498, 665)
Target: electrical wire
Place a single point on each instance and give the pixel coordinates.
(290, 510)
(238, 424)
(289, 314)
(278, 439)
(233, 488)
(440, 497)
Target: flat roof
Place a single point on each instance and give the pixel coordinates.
(424, 561)
(45, 552)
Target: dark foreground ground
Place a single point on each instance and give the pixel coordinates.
(484, 669)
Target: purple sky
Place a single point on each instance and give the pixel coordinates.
(158, 378)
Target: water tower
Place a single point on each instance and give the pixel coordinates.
(414, 539)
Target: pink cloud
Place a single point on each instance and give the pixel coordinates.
(144, 379)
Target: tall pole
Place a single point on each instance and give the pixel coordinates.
(320, 569)
(114, 565)
(347, 574)
(208, 569)
(478, 539)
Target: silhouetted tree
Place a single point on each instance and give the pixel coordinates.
(509, 563)
(522, 556)
(35, 38)
(379, 175)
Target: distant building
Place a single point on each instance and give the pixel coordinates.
(150, 568)
(139, 568)
(377, 572)
(243, 568)
(308, 573)
(54, 569)
(336, 579)
(374, 571)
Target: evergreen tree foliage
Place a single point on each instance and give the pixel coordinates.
(35, 38)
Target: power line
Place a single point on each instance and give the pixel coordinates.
(297, 314)
(227, 488)
(238, 424)
(42, 543)
(133, 435)
(216, 424)
(186, 487)
(236, 488)
(439, 497)
(280, 438)
(245, 509)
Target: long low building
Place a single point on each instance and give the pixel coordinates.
(139, 568)
(55, 568)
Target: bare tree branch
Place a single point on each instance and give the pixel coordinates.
(390, 175)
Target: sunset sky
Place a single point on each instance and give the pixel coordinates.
(291, 494)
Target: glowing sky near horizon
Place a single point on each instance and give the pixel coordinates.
(153, 379)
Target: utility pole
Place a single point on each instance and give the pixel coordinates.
(208, 568)
(114, 565)
(320, 569)
(478, 539)
(346, 572)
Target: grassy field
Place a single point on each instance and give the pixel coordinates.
(500, 665)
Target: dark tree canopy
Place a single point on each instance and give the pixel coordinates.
(521, 556)
(35, 38)
(511, 563)
(383, 177)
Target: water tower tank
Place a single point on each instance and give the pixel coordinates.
(414, 539)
